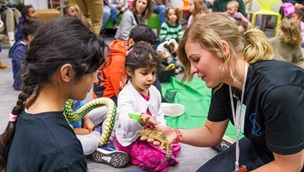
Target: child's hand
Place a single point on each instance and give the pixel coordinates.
(146, 119)
(119, 6)
(88, 124)
(123, 9)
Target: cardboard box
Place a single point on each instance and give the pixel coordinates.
(47, 14)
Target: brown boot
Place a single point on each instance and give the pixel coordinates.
(5, 39)
(3, 66)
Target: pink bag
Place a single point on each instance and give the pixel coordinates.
(288, 9)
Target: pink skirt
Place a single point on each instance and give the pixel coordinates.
(148, 156)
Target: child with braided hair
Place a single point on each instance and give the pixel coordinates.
(38, 136)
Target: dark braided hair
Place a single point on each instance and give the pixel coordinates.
(60, 41)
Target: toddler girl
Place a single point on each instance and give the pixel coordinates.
(197, 9)
(232, 12)
(139, 96)
(171, 29)
(27, 11)
(286, 45)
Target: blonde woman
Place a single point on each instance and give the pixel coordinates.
(263, 98)
(287, 44)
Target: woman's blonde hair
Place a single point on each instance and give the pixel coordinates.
(210, 30)
(199, 8)
(292, 31)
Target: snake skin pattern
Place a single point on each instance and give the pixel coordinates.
(84, 110)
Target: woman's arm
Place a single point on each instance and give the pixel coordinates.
(206, 136)
(283, 163)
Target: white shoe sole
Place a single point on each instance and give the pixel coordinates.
(173, 110)
(117, 159)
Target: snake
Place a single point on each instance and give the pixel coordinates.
(72, 116)
(161, 137)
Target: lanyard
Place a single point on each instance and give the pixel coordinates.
(237, 118)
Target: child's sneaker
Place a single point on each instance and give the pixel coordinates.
(172, 109)
(113, 158)
(99, 129)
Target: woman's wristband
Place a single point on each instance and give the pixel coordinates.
(179, 135)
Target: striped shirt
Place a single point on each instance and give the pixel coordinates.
(167, 31)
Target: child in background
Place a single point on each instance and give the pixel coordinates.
(113, 77)
(139, 96)
(197, 9)
(52, 75)
(171, 29)
(88, 131)
(286, 45)
(299, 15)
(70, 11)
(27, 11)
(29, 27)
(232, 12)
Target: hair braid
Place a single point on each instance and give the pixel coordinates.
(7, 136)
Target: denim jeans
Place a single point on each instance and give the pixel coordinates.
(113, 13)
(161, 11)
(251, 155)
(106, 15)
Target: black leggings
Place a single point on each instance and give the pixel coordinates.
(251, 155)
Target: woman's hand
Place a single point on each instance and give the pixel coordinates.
(169, 132)
(123, 9)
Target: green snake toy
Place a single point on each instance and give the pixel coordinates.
(84, 110)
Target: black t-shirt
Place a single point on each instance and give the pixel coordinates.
(274, 97)
(45, 142)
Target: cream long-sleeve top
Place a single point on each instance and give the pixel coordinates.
(130, 101)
